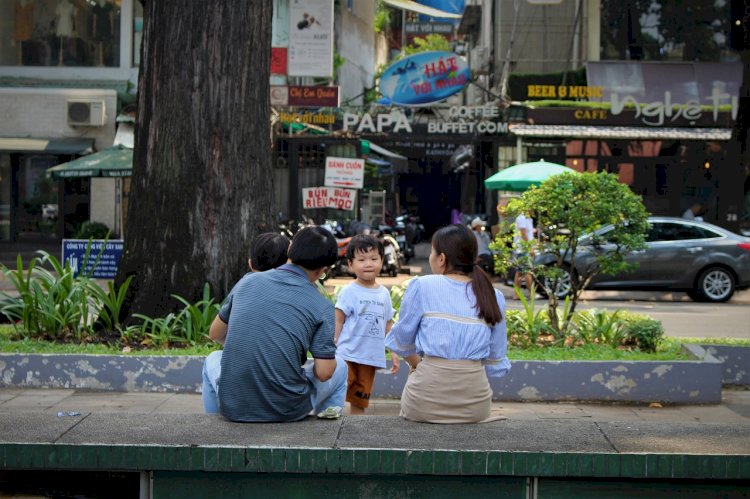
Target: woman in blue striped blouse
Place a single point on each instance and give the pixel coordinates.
(451, 331)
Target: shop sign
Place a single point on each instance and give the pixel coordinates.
(655, 113)
(278, 60)
(103, 257)
(314, 96)
(424, 78)
(345, 172)
(311, 38)
(428, 28)
(310, 118)
(564, 92)
(463, 119)
(279, 95)
(328, 197)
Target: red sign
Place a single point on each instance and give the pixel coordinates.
(278, 60)
(328, 197)
(313, 96)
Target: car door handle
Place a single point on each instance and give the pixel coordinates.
(695, 249)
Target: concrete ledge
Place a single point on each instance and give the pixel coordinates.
(379, 445)
(176, 455)
(682, 382)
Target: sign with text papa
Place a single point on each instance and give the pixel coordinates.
(345, 172)
(328, 197)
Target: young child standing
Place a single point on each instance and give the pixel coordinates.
(364, 316)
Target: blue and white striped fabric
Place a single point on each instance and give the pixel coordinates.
(438, 319)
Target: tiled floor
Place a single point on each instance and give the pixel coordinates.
(734, 409)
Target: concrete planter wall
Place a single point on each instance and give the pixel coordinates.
(735, 363)
(678, 382)
(685, 382)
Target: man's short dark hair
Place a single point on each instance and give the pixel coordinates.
(269, 251)
(313, 248)
(363, 243)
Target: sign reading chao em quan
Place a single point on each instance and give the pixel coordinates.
(328, 197)
(424, 78)
(102, 261)
(345, 172)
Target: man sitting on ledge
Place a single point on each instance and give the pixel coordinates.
(269, 322)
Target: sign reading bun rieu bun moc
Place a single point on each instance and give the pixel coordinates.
(424, 78)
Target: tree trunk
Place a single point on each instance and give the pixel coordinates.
(202, 184)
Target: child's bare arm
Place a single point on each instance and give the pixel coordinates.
(340, 319)
(395, 362)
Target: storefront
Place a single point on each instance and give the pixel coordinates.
(32, 205)
(664, 129)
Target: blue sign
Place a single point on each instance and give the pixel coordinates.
(424, 78)
(103, 258)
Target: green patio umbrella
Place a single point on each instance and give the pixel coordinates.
(522, 176)
(115, 161)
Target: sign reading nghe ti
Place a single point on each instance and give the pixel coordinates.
(345, 172)
(424, 78)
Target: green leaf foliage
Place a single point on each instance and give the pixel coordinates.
(565, 208)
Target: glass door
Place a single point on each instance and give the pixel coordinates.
(37, 210)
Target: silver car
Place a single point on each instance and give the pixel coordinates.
(707, 262)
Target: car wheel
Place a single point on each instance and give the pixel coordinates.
(715, 284)
(564, 285)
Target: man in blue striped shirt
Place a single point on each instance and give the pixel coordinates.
(268, 324)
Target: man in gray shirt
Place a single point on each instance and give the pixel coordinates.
(268, 324)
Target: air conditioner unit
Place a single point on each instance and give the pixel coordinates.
(86, 112)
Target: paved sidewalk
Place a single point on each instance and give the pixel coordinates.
(734, 409)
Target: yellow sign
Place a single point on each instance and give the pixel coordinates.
(564, 91)
(313, 118)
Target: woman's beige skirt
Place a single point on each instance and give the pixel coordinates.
(447, 391)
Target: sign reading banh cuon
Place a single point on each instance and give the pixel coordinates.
(424, 78)
(344, 172)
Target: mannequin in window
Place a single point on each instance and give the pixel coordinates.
(24, 25)
(102, 28)
(65, 24)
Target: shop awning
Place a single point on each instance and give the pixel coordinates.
(399, 163)
(115, 161)
(421, 9)
(620, 132)
(48, 146)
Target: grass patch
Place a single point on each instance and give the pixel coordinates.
(8, 345)
(669, 349)
(735, 342)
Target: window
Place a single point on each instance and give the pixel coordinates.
(82, 33)
(688, 30)
(660, 232)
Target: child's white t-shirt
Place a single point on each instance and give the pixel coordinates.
(367, 310)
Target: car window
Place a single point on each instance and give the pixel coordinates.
(672, 231)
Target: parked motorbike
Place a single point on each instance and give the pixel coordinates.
(393, 258)
(291, 227)
(400, 233)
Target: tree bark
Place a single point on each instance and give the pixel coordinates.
(202, 180)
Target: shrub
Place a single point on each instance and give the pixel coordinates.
(92, 230)
(644, 332)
